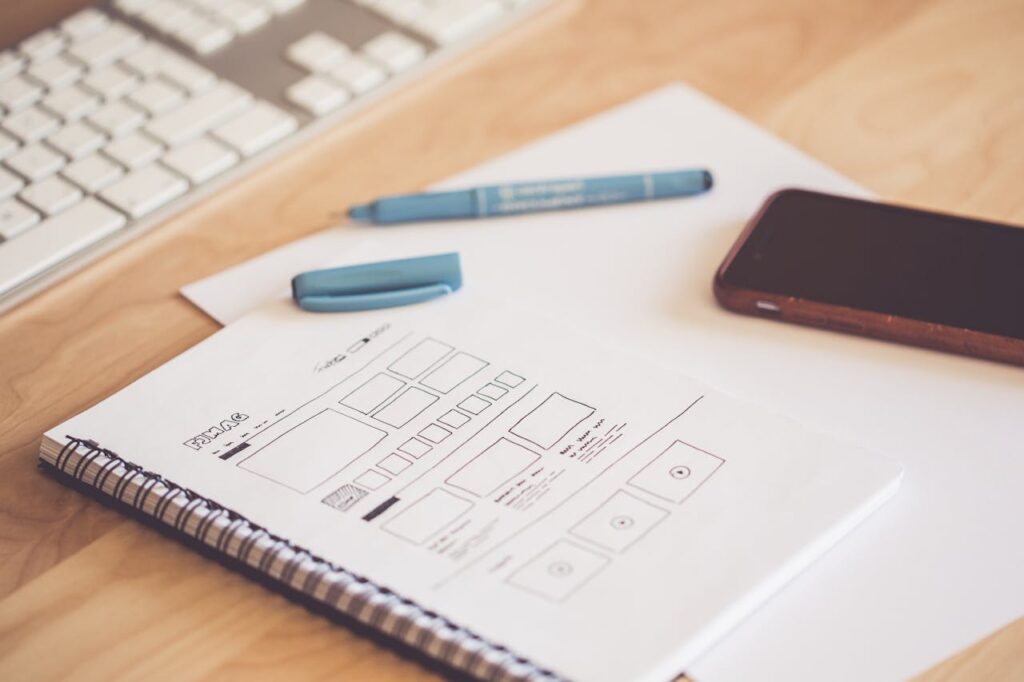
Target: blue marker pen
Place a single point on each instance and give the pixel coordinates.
(532, 197)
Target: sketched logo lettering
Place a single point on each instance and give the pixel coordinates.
(207, 436)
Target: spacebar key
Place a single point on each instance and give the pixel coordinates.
(55, 240)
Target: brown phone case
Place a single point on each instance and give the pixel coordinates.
(855, 321)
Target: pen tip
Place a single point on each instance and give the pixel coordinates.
(708, 180)
(359, 212)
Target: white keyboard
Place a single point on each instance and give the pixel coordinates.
(126, 112)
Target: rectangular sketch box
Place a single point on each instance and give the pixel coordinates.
(314, 450)
(552, 420)
(405, 407)
(619, 521)
(454, 419)
(509, 379)
(345, 497)
(493, 391)
(372, 393)
(454, 371)
(486, 472)
(558, 571)
(372, 479)
(420, 358)
(474, 404)
(394, 464)
(427, 516)
(677, 472)
(415, 448)
(434, 433)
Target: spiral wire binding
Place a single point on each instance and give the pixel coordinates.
(372, 605)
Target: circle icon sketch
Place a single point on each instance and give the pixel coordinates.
(679, 471)
(622, 522)
(560, 569)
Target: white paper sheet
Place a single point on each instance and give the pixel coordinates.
(505, 471)
(936, 569)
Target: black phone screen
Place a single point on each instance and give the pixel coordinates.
(887, 259)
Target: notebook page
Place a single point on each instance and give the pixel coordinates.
(503, 470)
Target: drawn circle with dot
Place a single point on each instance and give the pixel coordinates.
(622, 522)
(679, 471)
(560, 569)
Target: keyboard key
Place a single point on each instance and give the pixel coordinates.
(145, 190)
(201, 159)
(56, 72)
(8, 145)
(17, 92)
(117, 118)
(281, 6)
(168, 16)
(241, 16)
(31, 124)
(357, 74)
(156, 60)
(256, 128)
(400, 11)
(35, 161)
(317, 52)
(394, 51)
(76, 140)
(11, 64)
(317, 95)
(9, 183)
(71, 103)
(134, 150)
(202, 35)
(157, 96)
(55, 240)
(42, 45)
(111, 43)
(52, 195)
(84, 23)
(199, 115)
(131, 7)
(93, 173)
(15, 218)
(111, 81)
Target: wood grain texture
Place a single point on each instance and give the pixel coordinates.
(920, 100)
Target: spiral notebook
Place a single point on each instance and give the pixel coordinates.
(478, 483)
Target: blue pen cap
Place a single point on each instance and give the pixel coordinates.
(384, 284)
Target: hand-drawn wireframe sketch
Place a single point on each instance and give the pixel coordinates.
(427, 516)
(394, 464)
(493, 391)
(619, 521)
(474, 404)
(552, 420)
(510, 379)
(373, 393)
(452, 372)
(313, 450)
(434, 433)
(372, 479)
(420, 358)
(414, 447)
(486, 472)
(558, 571)
(454, 419)
(345, 497)
(406, 407)
(677, 472)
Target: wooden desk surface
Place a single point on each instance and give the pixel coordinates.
(919, 100)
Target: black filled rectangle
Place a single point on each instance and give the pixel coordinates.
(312, 451)
(455, 370)
(486, 472)
(372, 393)
(552, 420)
(405, 407)
(420, 358)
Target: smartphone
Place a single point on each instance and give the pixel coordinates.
(884, 271)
